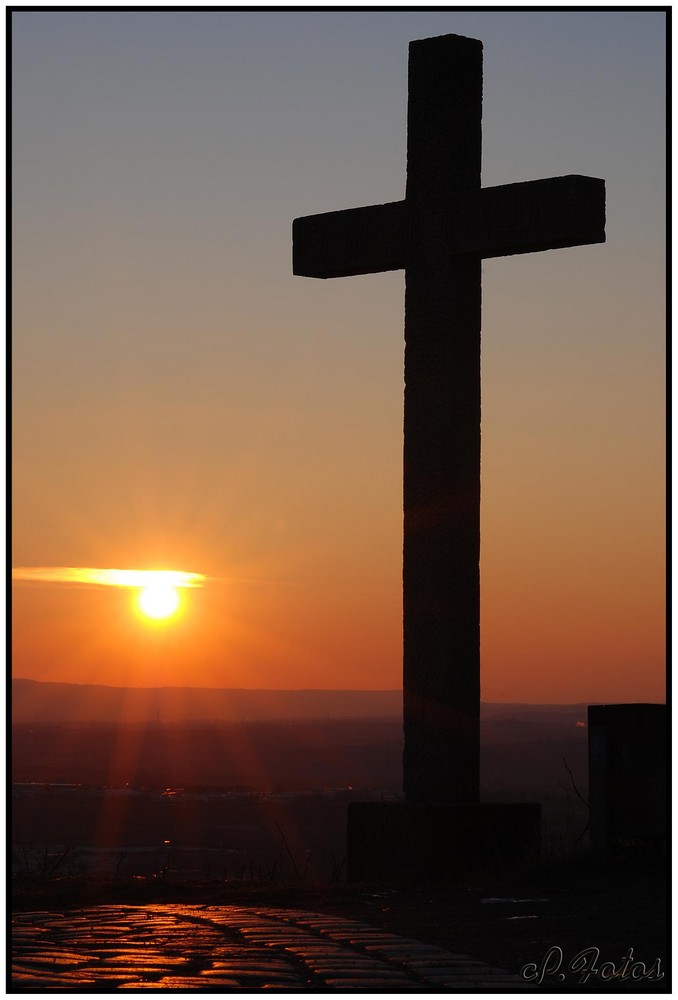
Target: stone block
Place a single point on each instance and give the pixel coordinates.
(397, 842)
(627, 777)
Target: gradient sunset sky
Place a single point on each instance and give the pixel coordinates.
(181, 401)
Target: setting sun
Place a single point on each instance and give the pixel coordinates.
(159, 600)
(157, 589)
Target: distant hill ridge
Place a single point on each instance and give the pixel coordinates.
(49, 701)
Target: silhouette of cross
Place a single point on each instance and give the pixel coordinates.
(439, 235)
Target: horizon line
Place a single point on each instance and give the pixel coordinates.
(176, 687)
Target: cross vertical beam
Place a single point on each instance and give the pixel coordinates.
(441, 489)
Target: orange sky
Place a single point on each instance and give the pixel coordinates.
(182, 401)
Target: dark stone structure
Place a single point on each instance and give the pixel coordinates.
(439, 235)
(627, 778)
(399, 842)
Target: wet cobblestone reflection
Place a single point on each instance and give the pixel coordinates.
(230, 949)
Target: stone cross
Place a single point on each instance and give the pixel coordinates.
(439, 235)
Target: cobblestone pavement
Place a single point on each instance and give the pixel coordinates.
(228, 949)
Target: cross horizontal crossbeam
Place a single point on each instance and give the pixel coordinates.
(493, 222)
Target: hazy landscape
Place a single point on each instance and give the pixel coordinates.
(112, 779)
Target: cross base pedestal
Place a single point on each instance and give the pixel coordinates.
(397, 842)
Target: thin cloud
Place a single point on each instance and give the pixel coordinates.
(106, 577)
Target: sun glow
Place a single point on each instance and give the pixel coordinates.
(159, 600)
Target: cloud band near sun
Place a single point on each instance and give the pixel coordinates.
(107, 577)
